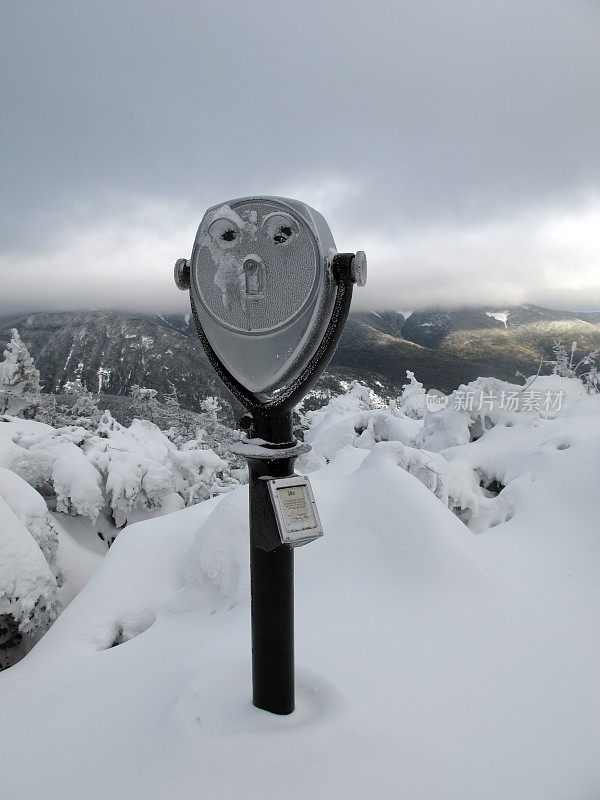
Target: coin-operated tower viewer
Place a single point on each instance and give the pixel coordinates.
(270, 296)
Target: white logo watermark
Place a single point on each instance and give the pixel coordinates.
(435, 400)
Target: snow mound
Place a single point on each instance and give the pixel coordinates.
(28, 598)
(220, 553)
(30, 508)
(435, 659)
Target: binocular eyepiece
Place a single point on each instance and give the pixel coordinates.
(263, 280)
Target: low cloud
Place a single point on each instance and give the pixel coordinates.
(548, 257)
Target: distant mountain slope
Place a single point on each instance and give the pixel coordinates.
(111, 351)
(429, 328)
(368, 347)
(533, 340)
(445, 348)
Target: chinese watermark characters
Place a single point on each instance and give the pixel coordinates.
(478, 400)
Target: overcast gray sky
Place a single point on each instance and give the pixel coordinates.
(457, 142)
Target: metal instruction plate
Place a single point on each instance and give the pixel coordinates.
(295, 510)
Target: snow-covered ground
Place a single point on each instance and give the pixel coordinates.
(435, 659)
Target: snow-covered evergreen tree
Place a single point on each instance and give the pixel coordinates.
(171, 398)
(19, 380)
(85, 410)
(212, 432)
(145, 403)
(210, 418)
(172, 418)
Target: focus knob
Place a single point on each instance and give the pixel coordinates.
(182, 274)
(350, 268)
(358, 268)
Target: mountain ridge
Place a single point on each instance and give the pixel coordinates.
(109, 351)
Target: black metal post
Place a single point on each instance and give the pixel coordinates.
(271, 577)
(272, 586)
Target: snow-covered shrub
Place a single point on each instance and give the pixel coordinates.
(486, 403)
(95, 469)
(481, 444)
(412, 399)
(454, 481)
(473, 454)
(122, 470)
(212, 406)
(29, 506)
(28, 585)
(28, 589)
(142, 467)
(110, 476)
(353, 418)
(584, 370)
(144, 400)
(77, 484)
(54, 463)
(19, 380)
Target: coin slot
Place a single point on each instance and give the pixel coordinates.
(254, 278)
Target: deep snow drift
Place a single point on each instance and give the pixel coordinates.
(446, 628)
